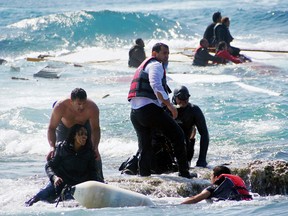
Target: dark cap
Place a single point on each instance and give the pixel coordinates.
(181, 93)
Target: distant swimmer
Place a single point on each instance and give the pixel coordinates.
(137, 53)
(222, 33)
(209, 32)
(3, 61)
(222, 51)
(202, 55)
(225, 186)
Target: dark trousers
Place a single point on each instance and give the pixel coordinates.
(148, 119)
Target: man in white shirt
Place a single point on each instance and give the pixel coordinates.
(148, 94)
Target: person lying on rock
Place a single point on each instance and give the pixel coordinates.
(225, 186)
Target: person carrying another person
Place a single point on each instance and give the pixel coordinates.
(137, 53)
(77, 109)
(73, 163)
(148, 94)
(209, 32)
(202, 55)
(225, 186)
(222, 51)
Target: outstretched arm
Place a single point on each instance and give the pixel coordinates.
(197, 198)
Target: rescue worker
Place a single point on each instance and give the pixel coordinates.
(148, 94)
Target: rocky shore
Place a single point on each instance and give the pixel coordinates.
(261, 177)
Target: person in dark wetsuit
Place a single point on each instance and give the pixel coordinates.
(202, 56)
(137, 53)
(209, 32)
(190, 117)
(72, 164)
(223, 187)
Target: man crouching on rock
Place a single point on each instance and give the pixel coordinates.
(75, 110)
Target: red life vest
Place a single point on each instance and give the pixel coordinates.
(140, 85)
(238, 186)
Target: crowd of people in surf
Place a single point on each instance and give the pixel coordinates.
(216, 39)
(166, 132)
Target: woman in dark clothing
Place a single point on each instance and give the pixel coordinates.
(73, 163)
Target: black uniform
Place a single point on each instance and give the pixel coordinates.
(187, 118)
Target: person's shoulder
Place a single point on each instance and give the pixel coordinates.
(154, 63)
(193, 107)
(92, 105)
(61, 105)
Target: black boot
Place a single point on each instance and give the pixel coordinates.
(187, 174)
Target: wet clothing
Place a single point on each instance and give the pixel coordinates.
(147, 115)
(62, 133)
(187, 119)
(202, 57)
(229, 187)
(73, 167)
(228, 57)
(222, 33)
(136, 56)
(209, 34)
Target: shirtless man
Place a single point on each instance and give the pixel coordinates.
(75, 110)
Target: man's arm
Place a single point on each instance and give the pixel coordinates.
(51, 133)
(156, 73)
(95, 129)
(197, 198)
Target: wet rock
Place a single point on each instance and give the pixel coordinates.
(269, 177)
(262, 177)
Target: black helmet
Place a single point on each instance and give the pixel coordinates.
(181, 93)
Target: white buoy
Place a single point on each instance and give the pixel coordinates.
(93, 194)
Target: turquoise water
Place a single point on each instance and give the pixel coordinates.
(245, 105)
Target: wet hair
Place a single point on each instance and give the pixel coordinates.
(203, 40)
(157, 47)
(221, 45)
(218, 170)
(78, 93)
(224, 19)
(73, 131)
(139, 41)
(216, 16)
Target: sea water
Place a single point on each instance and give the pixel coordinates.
(245, 105)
